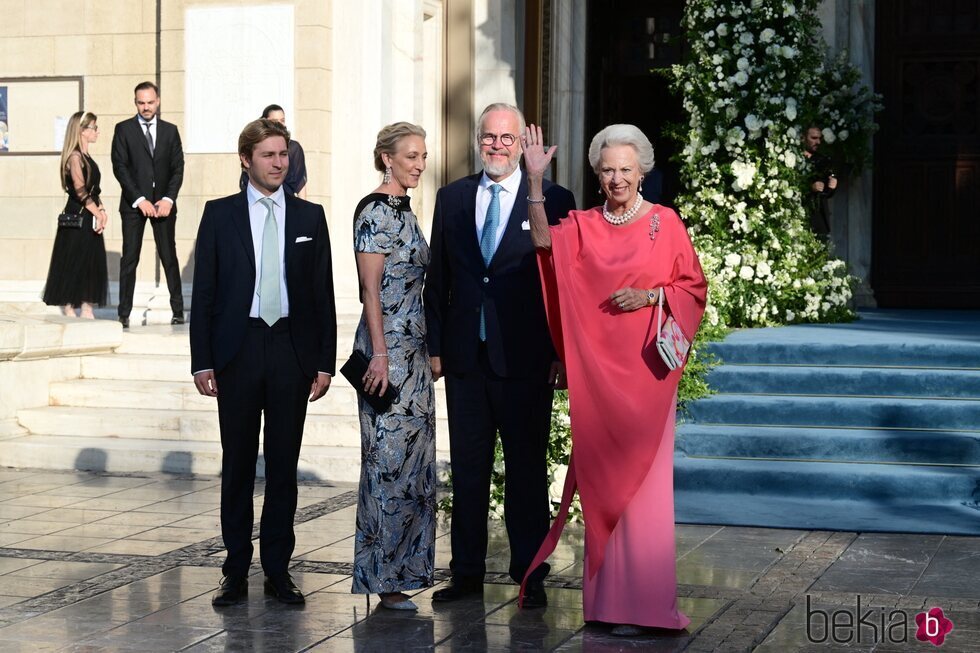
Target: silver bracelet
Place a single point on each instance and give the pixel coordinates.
(534, 201)
(379, 355)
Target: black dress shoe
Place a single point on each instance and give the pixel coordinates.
(459, 588)
(177, 319)
(534, 596)
(124, 321)
(284, 589)
(232, 590)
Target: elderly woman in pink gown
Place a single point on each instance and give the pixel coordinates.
(603, 271)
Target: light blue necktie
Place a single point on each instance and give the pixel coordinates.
(270, 306)
(488, 241)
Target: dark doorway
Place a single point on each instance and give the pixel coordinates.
(926, 230)
(630, 45)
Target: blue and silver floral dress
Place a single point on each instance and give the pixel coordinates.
(394, 545)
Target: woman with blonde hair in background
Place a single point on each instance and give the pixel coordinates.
(78, 277)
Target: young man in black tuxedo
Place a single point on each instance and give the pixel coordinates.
(487, 334)
(264, 342)
(148, 162)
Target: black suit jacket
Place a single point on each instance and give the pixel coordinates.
(224, 282)
(458, 284)
(141, 174)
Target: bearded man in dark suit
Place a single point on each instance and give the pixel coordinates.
(148, 162)
(487, 334)
(264, 342)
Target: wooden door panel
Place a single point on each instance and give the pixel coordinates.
(927, 154)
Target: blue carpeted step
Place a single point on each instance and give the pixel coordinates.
(829, 480)
(829, 444)
(815, 513)
(863, 381)
(855, 412)
(828, 352)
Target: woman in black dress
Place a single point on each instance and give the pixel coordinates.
(78, 277)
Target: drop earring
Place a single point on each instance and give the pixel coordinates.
(387, 177)
(641, 184)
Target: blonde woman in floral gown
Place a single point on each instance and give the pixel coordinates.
(394, 548)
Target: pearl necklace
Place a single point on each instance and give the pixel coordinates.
(626, 217)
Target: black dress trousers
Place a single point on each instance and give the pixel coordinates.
(264, 377)
(480, 403)
(164, 234)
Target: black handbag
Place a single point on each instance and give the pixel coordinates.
(70, 220)
(354, 370)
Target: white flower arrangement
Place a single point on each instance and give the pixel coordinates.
(742, 164)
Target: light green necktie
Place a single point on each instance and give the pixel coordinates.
(270, 306)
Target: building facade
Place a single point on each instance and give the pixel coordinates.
(341, 70)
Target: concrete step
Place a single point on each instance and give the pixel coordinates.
(333, 463)
(153, 426)
(166, 339)
(341, 399)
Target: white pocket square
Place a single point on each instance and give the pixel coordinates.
(303, 239)
(526, 225)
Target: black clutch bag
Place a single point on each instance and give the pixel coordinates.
(70, 220)
(354, 370)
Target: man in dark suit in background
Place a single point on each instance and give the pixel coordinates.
(487, 334)
(263, 340)
(148, 162)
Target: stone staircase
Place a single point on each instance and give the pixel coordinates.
(870, 426)
(137, 410)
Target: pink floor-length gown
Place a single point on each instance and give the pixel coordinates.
(622, 400)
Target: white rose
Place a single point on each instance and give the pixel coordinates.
(788, 52)
(789, 10)
(790, 159)
(722, 29)
(746, 272)
(746, 38)
(767, 34)
(752, 122)
(717, 60)
(790, 111)
(742, 63)
(763, 269)
(732, 260)
(741, 78)
(557, 483)
(828, 135)
(756, 4)
(790, 315)
(843, 134)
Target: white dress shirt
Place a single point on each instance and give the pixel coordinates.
(256, 220)
(506, 197)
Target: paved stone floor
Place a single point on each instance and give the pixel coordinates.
(94, 562)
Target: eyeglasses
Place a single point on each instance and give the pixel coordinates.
(505, 139)
(93, 127)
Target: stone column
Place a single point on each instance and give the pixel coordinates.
(567, 117)
(861, 45)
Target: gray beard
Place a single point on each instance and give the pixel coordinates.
(498, 171)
